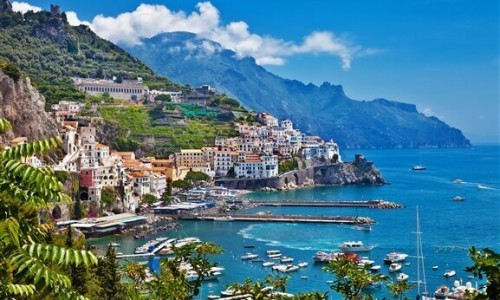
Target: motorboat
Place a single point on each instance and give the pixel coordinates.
(302, 264)
(286, 268)
(268, 264)
(458, 198)
(402, 277)
(365, 261)
(355, 246)
(272, 252)
(450, 273)
(248, 246)
(394, 267)
(435, 267)
(249, 256)
(418, 168)
(395, 257)
(363, 227)
(303, 277)
(375, 268)
(286, 259)
(458, 181)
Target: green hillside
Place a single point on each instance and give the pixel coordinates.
(51, 51)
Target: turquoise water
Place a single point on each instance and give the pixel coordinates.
(449, 227)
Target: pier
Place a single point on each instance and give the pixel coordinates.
(380, 204)
(279, 218)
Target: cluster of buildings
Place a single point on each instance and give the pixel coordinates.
(255, 153)
(258, 150)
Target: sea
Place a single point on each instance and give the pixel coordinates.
(449, 228)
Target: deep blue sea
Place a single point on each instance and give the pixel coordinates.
(449, 227)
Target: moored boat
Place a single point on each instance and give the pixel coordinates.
(302, 264)
(402, 277)
(268, 264)
(375, 268)
(394, 267)
(249, 256)
(458, 198)
(355, 246)
(449, 273)
(324, 257)
(286, 259)
(395, 257)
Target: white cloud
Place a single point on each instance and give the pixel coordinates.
(149, 20)
(24, 7)
(74, 21)
(428, 112)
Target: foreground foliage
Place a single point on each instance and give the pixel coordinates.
(29, 266)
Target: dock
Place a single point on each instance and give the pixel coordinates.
(280, 218)
(380, 204)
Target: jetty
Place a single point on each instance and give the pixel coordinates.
(380, 204)
(280, 218)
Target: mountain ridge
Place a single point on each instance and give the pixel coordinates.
(323, 110)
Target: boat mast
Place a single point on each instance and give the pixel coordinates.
(420, 258)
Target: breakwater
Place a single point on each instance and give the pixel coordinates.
(279, 218)
(380, 204)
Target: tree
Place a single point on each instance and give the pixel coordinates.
(169, 186)
(182, 184)
(349, 279)
(107, 272)
(108, 196)
(77, 210)
(196, 176)
(149, 199)
(78, 274)
(26, 257)
(486, 263)
(399, 288)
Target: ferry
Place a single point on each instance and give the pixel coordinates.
(353, 246)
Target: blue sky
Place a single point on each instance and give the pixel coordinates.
(442, 55)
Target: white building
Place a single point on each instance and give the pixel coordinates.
(254, 166)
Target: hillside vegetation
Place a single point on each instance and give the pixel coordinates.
(51, 51)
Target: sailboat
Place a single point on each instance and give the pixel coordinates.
(420, 264)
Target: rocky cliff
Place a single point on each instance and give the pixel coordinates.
(23, 106)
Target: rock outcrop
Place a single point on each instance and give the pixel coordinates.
(360, 171)
(23, 106)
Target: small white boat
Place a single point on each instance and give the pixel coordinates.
(449, 273)
(419, 168)
(458, 181)
(407, 264)
(268, 264)
(324, 257)
(302, 264)
(287, 268)
(435, 267)
(394, 267)
(274, 256)
(303, 277)
(355, 246)
(249, 256)
(458, 198)
(402, 277)
(272, 252)
(363, 227)
(286, 259)
(375, 268)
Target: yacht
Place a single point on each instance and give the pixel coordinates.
(394, 267)
(395, 257)
(302, 264)
(353, 246)
(286, 268)
(323, 257)
(249, 256)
